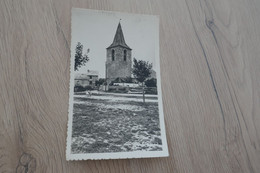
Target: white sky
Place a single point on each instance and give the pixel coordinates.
(96, 30)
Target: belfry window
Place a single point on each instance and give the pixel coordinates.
(113, 55)
(124, 55)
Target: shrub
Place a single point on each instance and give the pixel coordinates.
(151, 82)
(79, 88)
(88, 87)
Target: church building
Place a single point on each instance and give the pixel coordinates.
(119, 58)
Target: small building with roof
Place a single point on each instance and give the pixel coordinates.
(86, 79)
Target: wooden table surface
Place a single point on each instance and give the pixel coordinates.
(210, 68)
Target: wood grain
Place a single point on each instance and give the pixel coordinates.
(210, 62)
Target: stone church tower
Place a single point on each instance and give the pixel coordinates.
(119, 58)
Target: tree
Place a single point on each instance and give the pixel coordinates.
(80, 59)
(142, 71)
(101, 81)
(151, 82)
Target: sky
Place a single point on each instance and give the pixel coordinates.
(95, 30)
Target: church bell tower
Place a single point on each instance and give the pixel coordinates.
(119, 58)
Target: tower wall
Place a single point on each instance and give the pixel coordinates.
(118, 67)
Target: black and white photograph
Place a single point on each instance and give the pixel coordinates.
(115, 104)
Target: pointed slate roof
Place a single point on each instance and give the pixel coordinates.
(119, 39)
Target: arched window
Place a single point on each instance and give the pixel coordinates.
(124, 55)
(113, 55)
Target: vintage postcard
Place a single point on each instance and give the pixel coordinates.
(115, 102)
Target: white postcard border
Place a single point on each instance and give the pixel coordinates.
(116, 155)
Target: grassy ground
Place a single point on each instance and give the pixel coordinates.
(112, 126)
